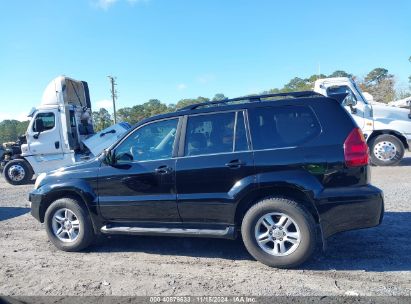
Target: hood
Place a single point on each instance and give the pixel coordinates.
(382, 110)
(87, 170)
(104, 139)
(402, 103)
(392, 117)
(83, 167)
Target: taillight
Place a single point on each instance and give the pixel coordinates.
(356, 149)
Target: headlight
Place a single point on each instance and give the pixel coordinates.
(39, 179)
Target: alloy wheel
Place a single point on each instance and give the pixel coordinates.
(65, 224)
(277, 234)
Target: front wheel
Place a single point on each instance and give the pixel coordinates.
(386, 150)
(68, 225)
(279, 233)
(17, 172)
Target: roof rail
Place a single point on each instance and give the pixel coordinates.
(253, 98)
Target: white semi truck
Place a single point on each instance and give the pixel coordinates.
(386, 128)
(60, 133)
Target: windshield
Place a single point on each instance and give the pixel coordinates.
(360, 92)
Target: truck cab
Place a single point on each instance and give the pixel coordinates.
(387, 129)
(60, 132)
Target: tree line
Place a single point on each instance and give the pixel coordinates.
(378, 82)
(11, 129)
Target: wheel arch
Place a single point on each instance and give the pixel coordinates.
(84, 198)
(288, 191)
(397, 134)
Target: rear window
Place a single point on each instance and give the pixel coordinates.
(283, 126)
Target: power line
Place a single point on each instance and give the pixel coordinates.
(113, 92)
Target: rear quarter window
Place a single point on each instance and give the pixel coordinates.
(282, 126)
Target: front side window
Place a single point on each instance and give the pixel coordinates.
(282, 126)
(210, 134)
(340, 90)
(150, 142)
(44, 122)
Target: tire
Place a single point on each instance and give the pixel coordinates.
(298, 249)
(18, 172)
(386, 150)
(80, 226)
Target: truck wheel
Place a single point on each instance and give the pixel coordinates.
(279, 233)
(17, 172)
(68, 225)
(386, 150)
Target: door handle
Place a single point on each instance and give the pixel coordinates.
(163, 170)
(234, 164)
(57, 145)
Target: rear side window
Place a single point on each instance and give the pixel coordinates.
(215, 133)
(285, 126)
(241, 143)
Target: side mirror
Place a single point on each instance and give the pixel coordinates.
(109, 157)
(38, 127)
(350, 101)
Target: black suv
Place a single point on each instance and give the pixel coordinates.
(283, 170)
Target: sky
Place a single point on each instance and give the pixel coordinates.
(175, 49)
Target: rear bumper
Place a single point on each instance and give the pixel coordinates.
(342, 209)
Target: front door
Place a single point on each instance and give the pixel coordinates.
(45, 140)
(140, 185)
(215, 165)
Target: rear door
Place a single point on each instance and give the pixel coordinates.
(214, 161)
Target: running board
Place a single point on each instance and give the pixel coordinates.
(227, 233)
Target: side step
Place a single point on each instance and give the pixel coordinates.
(227, 233)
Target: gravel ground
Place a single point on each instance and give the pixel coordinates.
(374, 261)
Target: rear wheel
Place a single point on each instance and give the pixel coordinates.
(279, 233)
(17, 172)
(386, 150)
(68, 225)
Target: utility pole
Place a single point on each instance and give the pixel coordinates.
(113, 95)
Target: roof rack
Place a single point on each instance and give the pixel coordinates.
(253, 98)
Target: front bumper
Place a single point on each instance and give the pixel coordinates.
(342, 209)
(36, 199)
